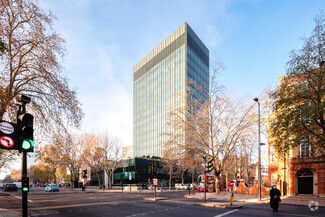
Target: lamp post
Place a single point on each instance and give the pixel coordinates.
(259, 151)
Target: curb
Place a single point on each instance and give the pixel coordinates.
(155, 199)
(219, 205)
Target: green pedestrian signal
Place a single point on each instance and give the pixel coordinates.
(27, 144)
(25, 184)
(25, 189)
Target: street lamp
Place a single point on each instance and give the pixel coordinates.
(259, 151)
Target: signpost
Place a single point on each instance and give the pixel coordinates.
(7, 135)
(121, 179)
(130, 178)
(155, 183)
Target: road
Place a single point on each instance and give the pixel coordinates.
(76, 203)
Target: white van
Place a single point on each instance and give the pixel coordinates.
(18, 184)
(179, 186)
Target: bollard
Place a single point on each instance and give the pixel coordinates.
(155, 190)
(231, 198)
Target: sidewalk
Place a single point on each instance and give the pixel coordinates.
(224, 197)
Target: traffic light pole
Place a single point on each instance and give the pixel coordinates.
(24, 174)
(22, 110)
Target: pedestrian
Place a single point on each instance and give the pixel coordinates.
(229, 186)
(275, 198)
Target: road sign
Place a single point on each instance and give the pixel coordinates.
(6, 128)
(130, 176)
(7, 135)
(155, 181)
(7, 142)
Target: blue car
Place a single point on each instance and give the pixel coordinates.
(52, 187)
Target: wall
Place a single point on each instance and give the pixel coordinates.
(242, 189)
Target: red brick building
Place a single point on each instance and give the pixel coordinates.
(297, 173)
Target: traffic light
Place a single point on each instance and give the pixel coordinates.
(25, 131)
(209, 166)
(25, 184)
(84, 174)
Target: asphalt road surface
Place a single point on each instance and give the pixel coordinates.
(76, 203)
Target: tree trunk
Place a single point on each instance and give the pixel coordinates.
(99, 182)
(170, 179)
(109, 180)
(217, 186)
(227, 181)
(182, 177)
(71, 179)
(193, 177)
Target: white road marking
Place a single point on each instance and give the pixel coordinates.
(226, 213)
(21, 199)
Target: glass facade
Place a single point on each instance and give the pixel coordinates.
(160, 84)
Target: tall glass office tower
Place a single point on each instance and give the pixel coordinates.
(161, 82)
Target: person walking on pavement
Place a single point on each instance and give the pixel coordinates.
(275, 198)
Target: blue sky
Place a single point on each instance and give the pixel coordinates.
(105, 39)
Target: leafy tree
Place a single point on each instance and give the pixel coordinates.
(15, 174)
(42, 173)
(65, 150)
(300, 97)
(50, 157)
(61, 174)
(31, 66)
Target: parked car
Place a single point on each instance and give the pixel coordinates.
(52, 187)
(144, 185)
(18, 184)
(186, 186)
(180, 186)
(10, 187)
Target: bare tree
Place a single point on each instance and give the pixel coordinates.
(6, 158)
(183, 165)
(93, 154)
(29, 64)
(215, 124)
(111, 155)
(169, 159)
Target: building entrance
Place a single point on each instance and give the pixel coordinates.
(305, 182)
